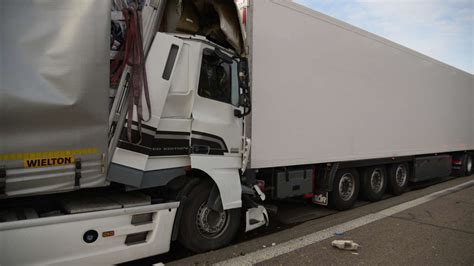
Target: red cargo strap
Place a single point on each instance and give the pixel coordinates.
(134, 56)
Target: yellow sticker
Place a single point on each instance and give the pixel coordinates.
(46, 154)
(47, 158)
(48, 161)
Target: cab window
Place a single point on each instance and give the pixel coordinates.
(216, 79)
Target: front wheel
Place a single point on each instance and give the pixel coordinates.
(203, 229)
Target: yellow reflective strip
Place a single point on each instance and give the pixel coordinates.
(46, 154)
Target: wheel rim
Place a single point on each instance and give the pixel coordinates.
(346, 186)
(469, 164)
(401, 175)
(211, 223)
(376, 180)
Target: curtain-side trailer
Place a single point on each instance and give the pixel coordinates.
(248, 100)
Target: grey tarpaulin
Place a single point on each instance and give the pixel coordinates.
(54, 67)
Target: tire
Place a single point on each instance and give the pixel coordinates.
(462, 165)
(343, 180)
(373, 183)
(196, 232)
(467, 165)
(398, 178)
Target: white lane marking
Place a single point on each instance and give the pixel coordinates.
(297, 243)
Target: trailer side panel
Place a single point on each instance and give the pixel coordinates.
(324, 91)
(54, 90)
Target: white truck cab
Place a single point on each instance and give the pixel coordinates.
(195, 117)
(197, 124)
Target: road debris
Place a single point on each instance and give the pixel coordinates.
(345, 244)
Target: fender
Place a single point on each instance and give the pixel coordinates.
(224, 171)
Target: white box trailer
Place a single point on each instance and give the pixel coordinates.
(325, 91)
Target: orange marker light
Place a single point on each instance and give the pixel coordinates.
(108, 233)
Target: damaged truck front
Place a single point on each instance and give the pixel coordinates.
(77, 170)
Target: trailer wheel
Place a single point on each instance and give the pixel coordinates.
(469, 161)
(345, 189)
(398, 178)
(467, 165)
(462, 165)
(203, 229)
(373, 182)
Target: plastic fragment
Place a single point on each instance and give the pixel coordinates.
(345, 244)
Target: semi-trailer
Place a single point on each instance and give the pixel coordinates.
(248, 100)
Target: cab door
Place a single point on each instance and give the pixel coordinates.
(216, 130)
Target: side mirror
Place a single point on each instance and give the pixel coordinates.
(243, 73)
(244, 99)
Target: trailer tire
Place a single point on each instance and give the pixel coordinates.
(197, 233)
(345, 189)
(373, 183)
(467, 165)
(398, 178)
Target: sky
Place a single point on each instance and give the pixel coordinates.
(442, 29)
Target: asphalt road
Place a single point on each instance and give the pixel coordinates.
(440, 232)
(435, 230)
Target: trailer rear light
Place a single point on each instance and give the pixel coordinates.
(308, 195)
(457, 162)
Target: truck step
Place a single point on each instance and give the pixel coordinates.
(81, 202)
